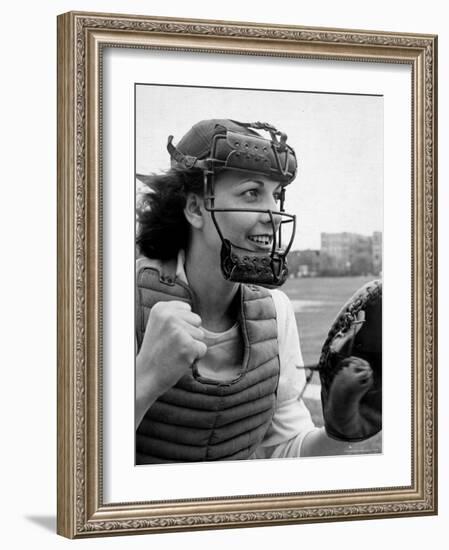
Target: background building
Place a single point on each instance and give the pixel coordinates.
(377, 252)
(304, 263)
(341, 254)
(350, 254)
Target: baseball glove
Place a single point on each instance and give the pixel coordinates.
(350, 368)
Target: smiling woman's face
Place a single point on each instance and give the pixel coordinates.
(250, 230)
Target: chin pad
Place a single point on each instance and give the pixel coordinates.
(268, 270)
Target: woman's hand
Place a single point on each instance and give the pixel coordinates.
(344, 410)
(172, 342)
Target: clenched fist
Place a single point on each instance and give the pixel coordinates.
(172, 342)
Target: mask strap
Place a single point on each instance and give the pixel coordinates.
(186, 161)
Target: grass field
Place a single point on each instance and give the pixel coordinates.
(316, 302)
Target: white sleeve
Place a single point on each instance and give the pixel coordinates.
(291, 420)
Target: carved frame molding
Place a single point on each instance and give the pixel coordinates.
(81, 38)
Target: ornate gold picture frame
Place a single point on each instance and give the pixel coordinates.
(83, 477)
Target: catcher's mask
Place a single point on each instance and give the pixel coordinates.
(216, 145)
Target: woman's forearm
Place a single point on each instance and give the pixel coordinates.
(147, 390)
(318, 443)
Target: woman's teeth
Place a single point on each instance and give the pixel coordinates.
(260, 239)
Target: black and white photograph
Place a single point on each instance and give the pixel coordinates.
(246, 282)
(258, 253)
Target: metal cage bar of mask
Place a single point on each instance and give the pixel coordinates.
(209, 204)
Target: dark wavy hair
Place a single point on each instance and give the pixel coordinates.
(163, 229)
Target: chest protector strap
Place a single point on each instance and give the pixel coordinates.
(201, 419)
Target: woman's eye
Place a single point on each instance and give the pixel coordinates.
(251, 193)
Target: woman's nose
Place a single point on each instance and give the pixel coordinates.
(271, 216)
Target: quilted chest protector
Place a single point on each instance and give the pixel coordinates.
(200, 419)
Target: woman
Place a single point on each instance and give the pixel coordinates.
(218, 348)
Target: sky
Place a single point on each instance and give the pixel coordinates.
(338, 139)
